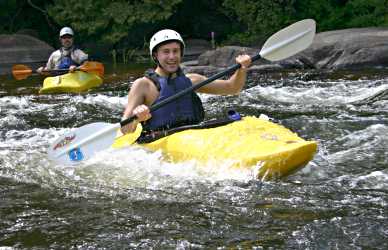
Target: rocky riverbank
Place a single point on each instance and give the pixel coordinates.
(350, 49)
(22, 49)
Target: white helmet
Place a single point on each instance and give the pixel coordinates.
(163, 36)
(66, 31)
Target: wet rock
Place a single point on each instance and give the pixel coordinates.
(348, 49)
(213, 61)
(190, 63)
(29, 32)
(22, 49)
(225, 56)
(211, 70)
(195, 47)
(340, 49)
(203, 70)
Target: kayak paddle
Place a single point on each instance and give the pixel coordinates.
(20, 71)
(83, 142)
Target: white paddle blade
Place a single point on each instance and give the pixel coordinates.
(289, 41)
(82, 143)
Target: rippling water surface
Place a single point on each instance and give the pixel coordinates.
(130, 198)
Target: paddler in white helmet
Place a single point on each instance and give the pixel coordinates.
(68, 56)
(167, 49)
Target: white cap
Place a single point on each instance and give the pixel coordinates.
(66, 31)
(163, 36)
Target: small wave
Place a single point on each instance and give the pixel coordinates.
(375, 180)
(113, 102)
(24, 158)
(137, 167)
(362, 151)
(341, 93)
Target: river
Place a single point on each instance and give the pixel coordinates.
(132, 199)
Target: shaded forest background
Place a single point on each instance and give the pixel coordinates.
(130, 23)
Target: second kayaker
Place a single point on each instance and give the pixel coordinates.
(68, 56)
(167, 50)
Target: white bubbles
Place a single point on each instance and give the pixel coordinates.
(374, 180)
(136, 167)
(332, 93)
(113, 102)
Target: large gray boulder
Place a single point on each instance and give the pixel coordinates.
(22, 49)
(224, 56)
(339, 49)
(195, 47)
(212, 61)
(348, 49)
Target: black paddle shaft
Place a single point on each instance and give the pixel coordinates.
(60, 70)
(192, 88)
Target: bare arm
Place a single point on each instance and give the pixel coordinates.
(141, 95)
(232, 86)
(136, 97)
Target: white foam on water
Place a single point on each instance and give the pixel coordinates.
(14, 101)
(358, 144)
(24, 158)
(336, 93)
(14, 109)
(113, 102)
(138, 167)
(373, 180)
(20, 105)
(9, 120)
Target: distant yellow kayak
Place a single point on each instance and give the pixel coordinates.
(76, 82)
(270, 150)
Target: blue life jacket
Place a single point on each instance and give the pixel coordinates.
(66, 61)
(185, 110)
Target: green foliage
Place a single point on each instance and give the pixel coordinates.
(362, 13)
(27, 15)
(130, 23)
(197, 19)
(7, 20)
(260, 18)
(109, 21)
(336, 14)
(326, 13)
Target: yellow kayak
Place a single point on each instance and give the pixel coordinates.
(76, 82)
(270, 150)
